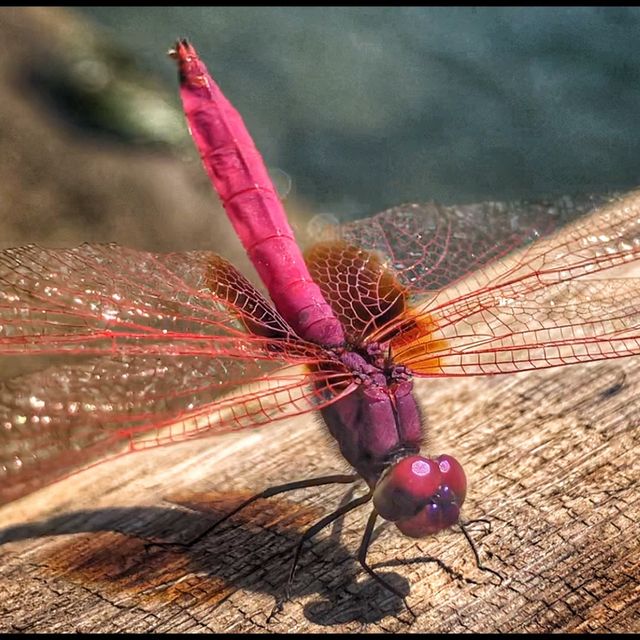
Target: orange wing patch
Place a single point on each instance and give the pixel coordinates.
(362, 292)
(418, 345)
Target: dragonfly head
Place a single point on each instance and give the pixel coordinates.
(421, 495)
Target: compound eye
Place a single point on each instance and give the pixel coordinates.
(453, 477)
(406, 488)
(433, 518)
(443, 509)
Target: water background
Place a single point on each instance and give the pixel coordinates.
(369, 107)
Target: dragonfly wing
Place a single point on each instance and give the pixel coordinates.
(106, 300)
(362, 292)
(416, 249)
(430, 246)
(544, 307)
(156, 348)
(65, 418)
(573, 322)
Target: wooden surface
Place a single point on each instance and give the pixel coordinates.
(552, 460)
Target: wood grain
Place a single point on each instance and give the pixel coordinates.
(552, 459)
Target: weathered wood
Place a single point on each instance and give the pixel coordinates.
(552, 459)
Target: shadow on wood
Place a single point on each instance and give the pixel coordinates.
(552, 459)
(251, 551)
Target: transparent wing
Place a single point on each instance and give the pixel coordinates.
(376, 268)
(156, 349)
(55, 421)
(545, 307)
(430, 246)
(106, 299)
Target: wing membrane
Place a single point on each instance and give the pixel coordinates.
(540, 309)
(431, 246)
(157, 348)
(55, 421)
(106, 300)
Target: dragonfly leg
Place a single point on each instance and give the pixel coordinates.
(464, 525)
(267, 493)
(463, 528)
(308, 534)
(483, 521)
(362, 558)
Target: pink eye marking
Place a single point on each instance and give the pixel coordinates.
(421, 468)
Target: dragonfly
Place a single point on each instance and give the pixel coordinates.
(162, 348)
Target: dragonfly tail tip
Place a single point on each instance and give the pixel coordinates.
(181, 49)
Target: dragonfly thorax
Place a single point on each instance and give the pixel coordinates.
(371, 366)
(380, 421)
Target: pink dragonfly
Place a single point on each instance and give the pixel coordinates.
(164, 348)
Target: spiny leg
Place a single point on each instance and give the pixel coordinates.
(267, 493)
(362, 558)
(463, 528)
(308, 534)
(336, 529)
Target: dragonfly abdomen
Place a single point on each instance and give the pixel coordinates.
(251, 202)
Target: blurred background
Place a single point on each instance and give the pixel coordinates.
(354, 110)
